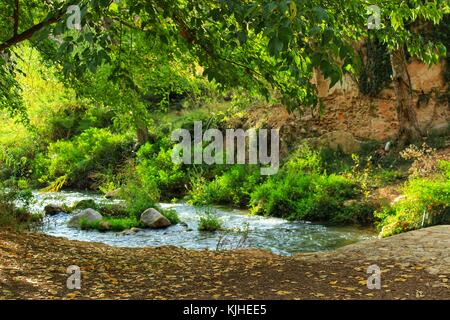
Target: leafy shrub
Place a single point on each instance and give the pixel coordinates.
(84, 204)
(426, 198)
(303, 197)
(209, 221)
(231, 188)
(304, 160)
(171, 215)
(72, 119)
(302, 191)
(388, 176)
(114, 210)
(109, 209)
(155, 167)
(424, 160)
(16, 154)
(74, 163)
(426, 203)
(356, 212)
(139, 196)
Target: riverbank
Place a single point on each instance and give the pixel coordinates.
(414, 265)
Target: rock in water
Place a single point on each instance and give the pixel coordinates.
(53, 209)
(151, 218)
(184, 224)
(88, 215)
(130, 231)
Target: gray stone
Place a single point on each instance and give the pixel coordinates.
(151, 218)
(52, 209)
(130, 231)
(88, 215)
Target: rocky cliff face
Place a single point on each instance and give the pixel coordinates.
(347, 109)
(375, 118)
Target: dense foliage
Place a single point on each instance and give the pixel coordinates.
(93, 107)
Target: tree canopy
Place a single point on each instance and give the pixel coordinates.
(258, 45)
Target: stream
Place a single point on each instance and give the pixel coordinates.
(274, 234)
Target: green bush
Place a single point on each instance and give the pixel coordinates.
(72, 119)
(209, 221)
(303, 191)
(231, 188)
(84, 204)
(139, 196)
(426, 203)
(155, 167)
(16, 156)
(109, 209)
(303, 197)
(75, 162)
(171, 215)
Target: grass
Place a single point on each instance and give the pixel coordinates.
(121, 224)
(209, 221)
(383, 177)
(171, 215)
(110, 224)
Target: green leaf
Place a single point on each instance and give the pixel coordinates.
(320, 14)
(275, 46)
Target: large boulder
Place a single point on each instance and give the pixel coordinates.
(52, 209)
(342, 140)
(151, 218)
(89, 215)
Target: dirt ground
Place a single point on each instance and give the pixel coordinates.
(414, 265)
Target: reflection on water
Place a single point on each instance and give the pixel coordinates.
(277, 235)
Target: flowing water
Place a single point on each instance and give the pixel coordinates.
(274, 234)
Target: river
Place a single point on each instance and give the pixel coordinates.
(244, 231)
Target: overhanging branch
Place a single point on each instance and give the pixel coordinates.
(27, 34)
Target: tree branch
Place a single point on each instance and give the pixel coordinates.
(27, 34)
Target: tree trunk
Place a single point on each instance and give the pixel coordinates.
(409, 130)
